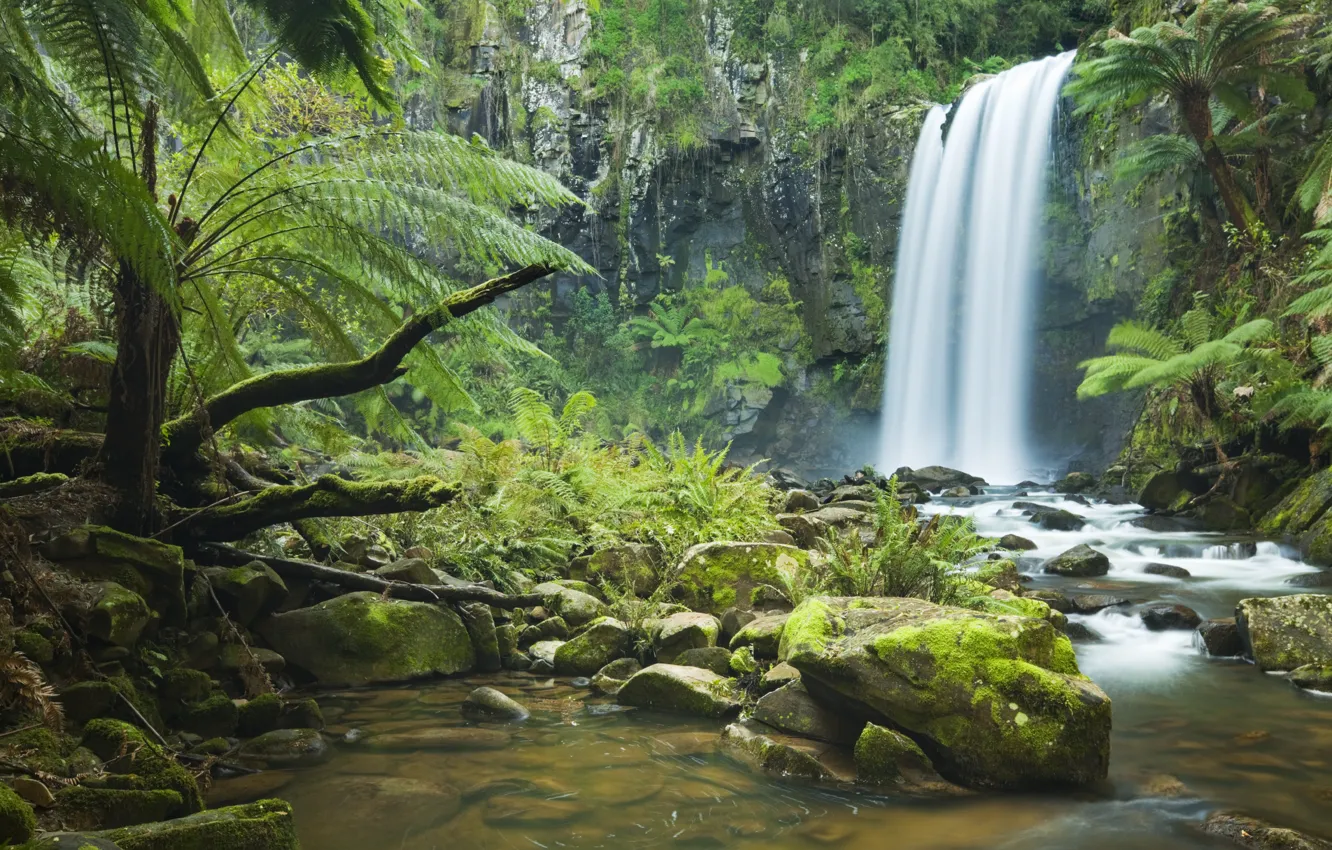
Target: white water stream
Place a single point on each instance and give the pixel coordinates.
(959, 344)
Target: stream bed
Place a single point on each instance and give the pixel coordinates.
(1191, 734)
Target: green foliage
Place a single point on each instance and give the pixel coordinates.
(905, 558)
(1194, 364)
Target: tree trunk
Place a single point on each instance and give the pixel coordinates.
(1198, 118)
(146, 339)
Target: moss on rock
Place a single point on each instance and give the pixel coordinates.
(681, 631)
(1286, 632)
(601, 642)
(259, 715)
(155, 571)
(213, 717)
(809, 629)
(84, 807)
(363, 638)
(150, 767)
(716, 576)
(1000, 698)
(681, 690)
(17, 820)
(265, 825)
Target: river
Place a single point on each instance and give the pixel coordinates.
(1191, 734)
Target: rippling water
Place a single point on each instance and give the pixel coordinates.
(1191, 734)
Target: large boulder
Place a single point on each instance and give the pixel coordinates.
(937, 478)
(999, 699)
(716, 576)
(17, 821)
(574, 606)
(1285, 632)
(1082, 561)
(1163, 491)
(247, 592)
(1301, 509)
(683, 630)
(604, 640)
(681, 690)
(265, 825)
(411, 570)
(153, 570)
(1074, 482)
(1057, 519)
(1220, 637)
(363, 638)
(151, 769)
(633, 566)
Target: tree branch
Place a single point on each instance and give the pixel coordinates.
(290, 569)
(327, 496)
(331, 380)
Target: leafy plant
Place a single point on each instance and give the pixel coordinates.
(904, 557)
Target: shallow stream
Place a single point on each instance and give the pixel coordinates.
(1191, 734)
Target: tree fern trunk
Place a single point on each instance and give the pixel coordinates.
(1198, 118)
(146, 337)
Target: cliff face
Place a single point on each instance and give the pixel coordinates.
(759, 195)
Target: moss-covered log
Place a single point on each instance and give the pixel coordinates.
(26, 450)
(329, 380)
(288, 568)
(327, 496)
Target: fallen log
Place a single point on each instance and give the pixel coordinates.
(225, 555)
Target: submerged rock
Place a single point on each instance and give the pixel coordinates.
(1285, 632)
(1082, 561)
(286, 748)
(489, 703)
(1000, 699)
(363, 638)
(764, 749)
(683, 690)
(1259, 835)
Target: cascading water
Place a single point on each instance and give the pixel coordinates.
(959, 345)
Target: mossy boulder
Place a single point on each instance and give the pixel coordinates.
(1299, 511)
(999, 698)
(684, 630)
(680, 690)
(763, 635)
(1082, 561)
(150, 769)
(363, 638)
(17, 820)
(1003, 602)
(183, 685)
(887, 759)
(611, 678)
(1075, 482)
(805, 529)
(84, 807)
(791, 709)
(1001, 575)
(1285, 632)
(633, 566)
(601, 642)
(265, 825)
(259, 715)
(1313, 677)
(716, 576)
(575, 607)
(551, 628)
(153, 570)
(118, 615)
(37, 646)
(490, 704)
(213, 717)
(249, 592)
(1250, 832)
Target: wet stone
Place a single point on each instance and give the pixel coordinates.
(439, 739)
(1162, 616)
(1221, 638)
(1169, 570)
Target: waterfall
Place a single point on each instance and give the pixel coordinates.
(957, 384)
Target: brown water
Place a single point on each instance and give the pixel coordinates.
(1191, 734)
